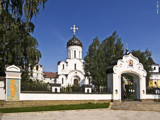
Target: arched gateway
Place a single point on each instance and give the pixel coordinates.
(130, 65)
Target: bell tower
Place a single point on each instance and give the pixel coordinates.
(74, 46)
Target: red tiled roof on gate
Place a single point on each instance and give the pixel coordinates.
(50, 74)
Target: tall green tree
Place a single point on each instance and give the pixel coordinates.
(17, 46)
(92, 63)
(99, 56)
(112, 47)
(146, 59)
(23, 9)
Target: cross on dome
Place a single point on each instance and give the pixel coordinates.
(74, 29)
(126, 48)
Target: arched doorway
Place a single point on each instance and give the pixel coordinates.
(130, 87)
(75, 82)
(130, 65)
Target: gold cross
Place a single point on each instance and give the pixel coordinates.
(74, 29)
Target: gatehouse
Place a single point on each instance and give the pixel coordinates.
(130, 65)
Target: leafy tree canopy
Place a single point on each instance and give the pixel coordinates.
(17, 46)
(146, 59)
(99, 56)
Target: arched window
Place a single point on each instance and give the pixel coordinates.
(154, 68)
(79, 54)
(75, 66)
(87, 90)
(74, 54)
(55, 90)
(55, 81)
(69, 54)
(63, 67)
(62, 80)
(37, 67)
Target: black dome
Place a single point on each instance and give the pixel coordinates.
(74, 41)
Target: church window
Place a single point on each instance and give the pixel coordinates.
(55, 90)
(55, 81)
(79, 54)
(74, 54)
(63, 66)
(69, 54)
(87, 90)
(155, 83)
(37, 67)
(154, 68)
(75, 66)
(62, 81)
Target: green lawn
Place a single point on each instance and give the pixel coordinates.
(56, 107)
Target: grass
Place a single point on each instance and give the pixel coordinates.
(156, 100)
(56, 107)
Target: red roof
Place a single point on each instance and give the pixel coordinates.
(50, 74)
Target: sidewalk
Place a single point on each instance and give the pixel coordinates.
(97, 114)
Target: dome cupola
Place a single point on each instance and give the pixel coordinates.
(74, 41)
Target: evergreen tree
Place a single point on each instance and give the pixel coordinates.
(146, 59)
(92, 63)
(98, 58)
(112, 47)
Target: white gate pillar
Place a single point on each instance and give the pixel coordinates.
(13, 83)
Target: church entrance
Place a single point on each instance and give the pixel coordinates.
(130, 87)
(126, 78)
(75, 82)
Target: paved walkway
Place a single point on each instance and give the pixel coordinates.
(98, 114)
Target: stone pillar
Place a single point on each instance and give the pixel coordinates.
(56, 88)
(13, 83)
(88, 88)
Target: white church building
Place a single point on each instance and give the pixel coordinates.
(71, 71)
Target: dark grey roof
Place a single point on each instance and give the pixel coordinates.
(88, 86)
(55, 85)
(74, 41)
(113, 63)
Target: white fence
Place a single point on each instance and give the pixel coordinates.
(151, 96)
(34, 96)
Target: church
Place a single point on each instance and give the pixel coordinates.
(71, 71)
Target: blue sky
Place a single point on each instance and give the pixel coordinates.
(136, 22)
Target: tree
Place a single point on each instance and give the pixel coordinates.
(92, 63)
(99, 56)
(22, 9)
(17, 45)
(112, 47)
(146, 59)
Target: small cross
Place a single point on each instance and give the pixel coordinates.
(126, 46)
(74, 29)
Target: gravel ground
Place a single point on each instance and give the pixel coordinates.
(98, 114)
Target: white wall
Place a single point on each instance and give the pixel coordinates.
(151, 96)
(33, 96)
(155, 68)
(2, 91)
